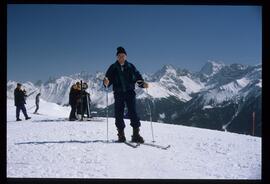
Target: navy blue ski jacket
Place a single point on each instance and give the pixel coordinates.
(19, 97)
(123, 78)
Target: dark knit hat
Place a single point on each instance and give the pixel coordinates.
(120, 50)
(19, 84)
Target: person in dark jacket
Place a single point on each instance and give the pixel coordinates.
(84, 103)
(37, 102)
(123, 75)
(74, 97)
(19, 98)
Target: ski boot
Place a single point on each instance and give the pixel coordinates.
(136, 137)
(121, 135)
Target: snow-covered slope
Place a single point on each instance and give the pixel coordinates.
(49, 146)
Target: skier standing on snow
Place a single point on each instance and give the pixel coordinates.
(37, 103)
(85, 102)
(19, 98)
(123, 75)
(74, 97)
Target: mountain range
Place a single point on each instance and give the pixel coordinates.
(221, 97)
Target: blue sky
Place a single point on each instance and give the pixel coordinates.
(55, 40)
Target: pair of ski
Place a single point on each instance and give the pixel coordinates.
(135, 145)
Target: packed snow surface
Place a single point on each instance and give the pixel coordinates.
(50, 146)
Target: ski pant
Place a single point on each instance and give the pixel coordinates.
(129, 98)
(72, 114)
(37, 107)
(84, 109)
(18, 109)
(87, 111)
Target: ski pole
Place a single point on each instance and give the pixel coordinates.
(81, 94)
(31, 93)
(107, 112)
(152, 130)
(89, 101)
(88, 105)
(31, 107)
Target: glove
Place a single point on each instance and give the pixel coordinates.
(106, 81)
(142, 84)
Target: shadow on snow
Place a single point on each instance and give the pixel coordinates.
(64, 142)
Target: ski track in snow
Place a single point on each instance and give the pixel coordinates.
(49, 146)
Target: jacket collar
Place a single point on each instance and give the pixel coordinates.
(118, 64)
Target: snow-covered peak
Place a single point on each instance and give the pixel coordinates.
(166, 70)
(237, 66)
(11, 84)
(63, 79)
(211, 67)
(259, 83)
(223, 80)
(169, 69)
(146, 77)
(100, 75)
(82, 75)
(228, 73)
(233, 82)
(172, 81)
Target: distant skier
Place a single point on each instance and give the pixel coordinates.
(19, 98)
(84, 103)
(37, 103)
(123, 75)
(74, 97)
